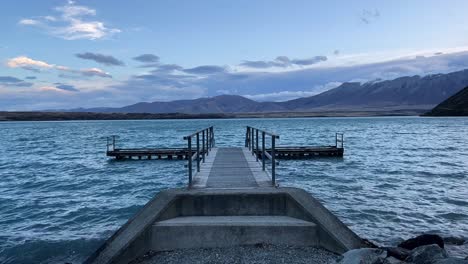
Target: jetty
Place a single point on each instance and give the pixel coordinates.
(232, 198)
(253, 137)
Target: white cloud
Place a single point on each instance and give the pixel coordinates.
(23, 61)
(37, 65)
(73, 22)
(28, 22)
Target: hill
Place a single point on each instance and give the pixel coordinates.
(456, 105)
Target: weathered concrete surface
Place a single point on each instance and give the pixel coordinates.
(135, 237)
(228, 231)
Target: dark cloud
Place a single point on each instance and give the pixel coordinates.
(369, 16)
(32, 69)
(9, 79)
(336, 52)
(13, 81)
(283, 61)
(66, 87)
(310, 61)
(256, 64)
(100, 58)
(167, 68)
(206, 69)
(31, 77)
(147, 58)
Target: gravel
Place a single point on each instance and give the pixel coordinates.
(257, 254)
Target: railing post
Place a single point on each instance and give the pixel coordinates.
(256, 144)
(336, 140)
(198, 152)
(273, 161)
(203, 146)
(207, 141)
(212, 141)
(263, 150)
(252, 139)
(190, 160)
(247, 138)
(113, 142)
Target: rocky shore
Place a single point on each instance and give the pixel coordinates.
(423, 249)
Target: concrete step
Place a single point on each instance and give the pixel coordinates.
(225, 231)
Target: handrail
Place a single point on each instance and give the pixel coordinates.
(111, 143)
(207, 143)
(252, 142)
(339, 140)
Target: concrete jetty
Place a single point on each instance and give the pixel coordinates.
(231, 200)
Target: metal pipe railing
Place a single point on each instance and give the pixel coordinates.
(252, 142)
(207, 142)
(111, 143)
(339, 140)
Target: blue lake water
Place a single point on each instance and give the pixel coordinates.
(60, 196)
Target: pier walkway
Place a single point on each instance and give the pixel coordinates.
(232, 199)
(231, 168)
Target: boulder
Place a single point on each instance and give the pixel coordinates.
(397, 252)
(392, 260)
(364, 256)
(454, 240)
(427, 254)
(426, 239)
(451, 261)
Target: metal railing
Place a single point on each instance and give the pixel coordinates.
(252, 142)
(205, 138)
(339, 140)
(111, 143)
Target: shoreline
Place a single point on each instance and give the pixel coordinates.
(89, 116)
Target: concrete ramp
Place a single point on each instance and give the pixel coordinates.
(224, 217)
(225, 231)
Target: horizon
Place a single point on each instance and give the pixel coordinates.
(85, 54)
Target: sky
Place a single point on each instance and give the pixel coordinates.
(62, 54)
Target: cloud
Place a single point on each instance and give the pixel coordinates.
(147, 58)
(13, 81)
(206, 69)
(369, 16)
(282, 62)
(29, 64)
(29, 22)
(100, 58)
(73, 22)
(30, 77)
(95, 72)
(66, 87)
(309, 61)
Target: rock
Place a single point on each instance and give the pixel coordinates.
(454, 240)
(427, 254)
(369, 244)
(397, 252)
(426, 239)
(364, 256)
(451, 261)
(392, 260)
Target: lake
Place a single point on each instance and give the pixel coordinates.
(60, 196)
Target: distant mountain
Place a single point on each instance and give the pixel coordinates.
(401, 93)
(413, 92)
(456, 105)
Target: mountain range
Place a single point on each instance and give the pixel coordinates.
(411, 92)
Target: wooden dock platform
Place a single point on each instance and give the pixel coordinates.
(206, 142)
